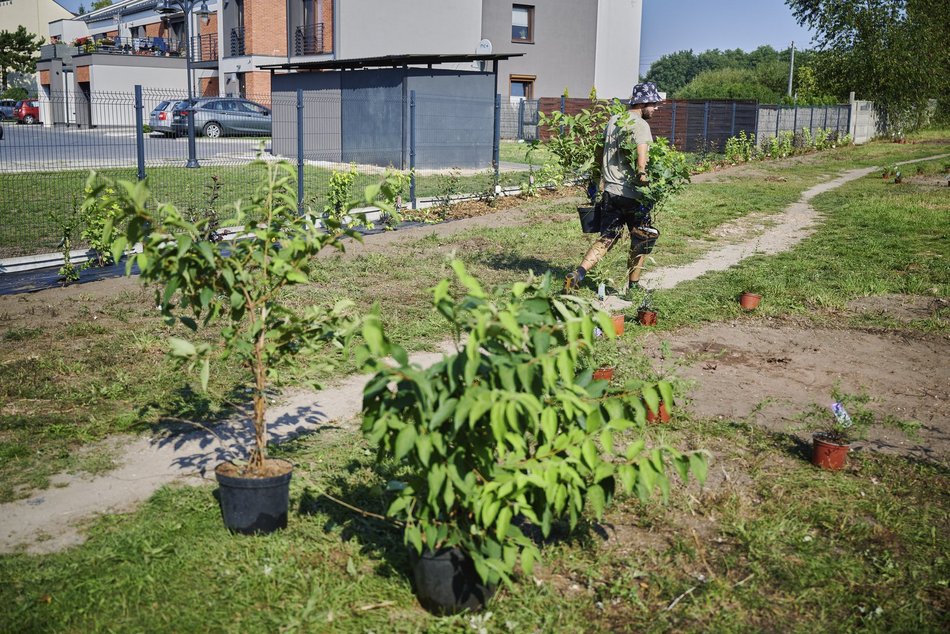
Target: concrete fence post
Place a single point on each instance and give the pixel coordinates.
(139, 132)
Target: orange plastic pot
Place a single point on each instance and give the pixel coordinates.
(749, 301)
(646, 317)
(663, 416)
(603, 373)
(618, 324)
(828, 455)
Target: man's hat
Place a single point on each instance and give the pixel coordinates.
(645, 93)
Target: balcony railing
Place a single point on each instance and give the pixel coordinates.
(237, 42)
(308, 40)
(151, 46)
(204, 48)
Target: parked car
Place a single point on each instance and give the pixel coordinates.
(27, 111)
(160, 119)
(7, 106)
(220, 116)
(1, 132)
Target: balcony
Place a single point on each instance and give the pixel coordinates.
(237, 43)
(148, 46)
(204, 48)
(308, 40)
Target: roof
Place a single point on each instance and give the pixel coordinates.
(121, 7)
(387, 61)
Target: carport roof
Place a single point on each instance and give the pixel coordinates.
(387, 61)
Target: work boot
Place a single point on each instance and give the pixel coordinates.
(572, 282)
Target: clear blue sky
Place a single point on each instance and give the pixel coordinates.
(677, 25)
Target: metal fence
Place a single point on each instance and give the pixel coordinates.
(705, 126)
(449, 146)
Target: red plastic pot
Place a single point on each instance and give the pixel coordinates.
(749, 301)
(663, 416)
(603, 373)
(827, 454)
(618, 324)
(646, 317)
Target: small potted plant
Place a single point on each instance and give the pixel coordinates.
(830, 447)
(605, 356)
(646, 314)
(749, 300)
(507, 432)
(239, 288)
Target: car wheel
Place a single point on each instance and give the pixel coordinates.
(212, 130)
(29, 119)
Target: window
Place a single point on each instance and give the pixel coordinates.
(522, 23)
(522, 87)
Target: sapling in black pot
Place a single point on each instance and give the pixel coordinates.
(508, 430)
(239, 288)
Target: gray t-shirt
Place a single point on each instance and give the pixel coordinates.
(618, 173)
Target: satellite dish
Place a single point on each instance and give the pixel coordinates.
(484, 48)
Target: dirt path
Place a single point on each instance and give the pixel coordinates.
(755, 360)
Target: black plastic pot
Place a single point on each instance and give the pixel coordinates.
(590, 219)
(255, 505)
(446, 581)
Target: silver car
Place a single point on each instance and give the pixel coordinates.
(160, 119)
(220, 116)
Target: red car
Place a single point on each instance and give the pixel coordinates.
(27, 111)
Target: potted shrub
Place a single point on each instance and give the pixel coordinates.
(239, 288)
(646, 314)
(835, 432)
(507, 432)
(605, 356)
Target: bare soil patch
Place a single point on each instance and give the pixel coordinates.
(769, 372)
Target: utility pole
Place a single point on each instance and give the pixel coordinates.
(791, 70)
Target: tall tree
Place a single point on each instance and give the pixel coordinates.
(101, 4)
(17, 53)
(893, 52)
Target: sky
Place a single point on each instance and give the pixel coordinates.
(677, 25)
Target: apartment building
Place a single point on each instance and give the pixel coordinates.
(33, 15)
(567, 45)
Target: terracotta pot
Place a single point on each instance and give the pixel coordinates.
(618, 324)
(646, 317)
(663, 416)
(827, 454)
(604, 373)
(749, 301)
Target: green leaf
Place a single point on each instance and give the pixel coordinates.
(424, 449)
(469, 282)
(504, 520)
(405, 440)
(181, 348)
(597, 499)
(528, 556)
(697, 462)
(373, 334)
(490, 512)
(205, 373)
(651, 398)
(589, 451)
(666, 392)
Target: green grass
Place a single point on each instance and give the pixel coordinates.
(775, 545)
(782, 544)
(38, 204)
(97, 366)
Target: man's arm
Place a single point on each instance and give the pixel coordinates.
(643, 155)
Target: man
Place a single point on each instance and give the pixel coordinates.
(624, 204)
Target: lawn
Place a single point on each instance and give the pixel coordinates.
(769, 543)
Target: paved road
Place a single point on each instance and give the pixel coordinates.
(30, 148)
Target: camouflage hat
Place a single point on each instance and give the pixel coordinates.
(645, 93)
